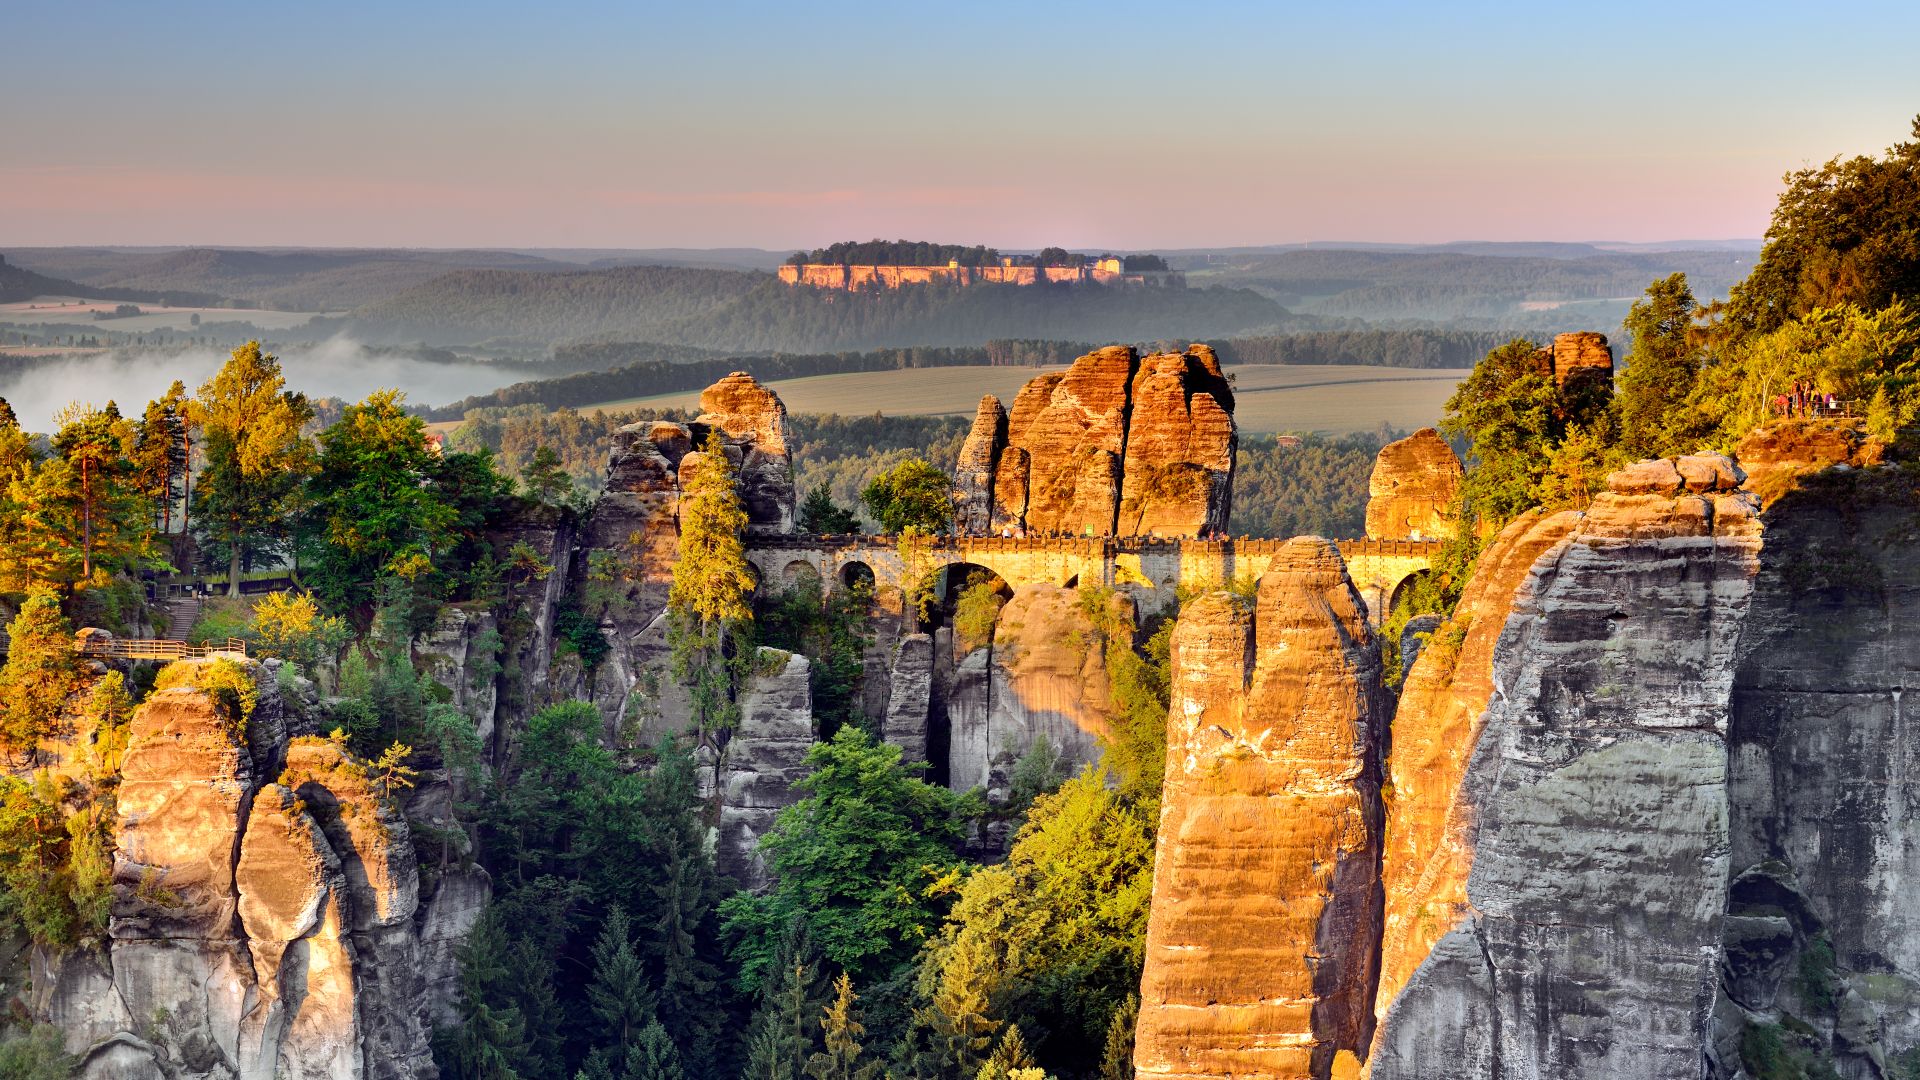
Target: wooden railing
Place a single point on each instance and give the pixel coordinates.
(156, 649)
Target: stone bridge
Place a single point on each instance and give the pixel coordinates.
(1153, 571)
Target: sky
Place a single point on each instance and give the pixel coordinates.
(784, 125)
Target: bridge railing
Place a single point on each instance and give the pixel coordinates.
(1090, 545)
(155, 649)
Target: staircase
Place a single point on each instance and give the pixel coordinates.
(182, 613)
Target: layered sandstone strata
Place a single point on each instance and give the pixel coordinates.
(259, 928)
(973, 474)
(753, 422)
(1115, 445)
(1562, 916)
(1260, 954)
(1043, 677)
(1413, 482)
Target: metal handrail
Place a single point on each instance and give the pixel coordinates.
(156, 649)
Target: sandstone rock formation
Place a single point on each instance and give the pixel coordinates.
(973, 474)
(1414, 480)
(259, 928)
(1589, 821)
(765, 755)
(911, 676)
(1180, 447)
(753, 420)
(1042, 677)
(1578, 356)
(1260, 948)
(1115, 445)
(1823, 931)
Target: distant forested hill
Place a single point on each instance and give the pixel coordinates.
(1454, 285)
(306, 280)
(716, 309)
(18, 283)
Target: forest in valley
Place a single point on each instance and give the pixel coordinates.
(906, 930)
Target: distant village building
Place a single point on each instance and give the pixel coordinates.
(850, 276)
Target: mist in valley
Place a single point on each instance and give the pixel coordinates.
(339, 367)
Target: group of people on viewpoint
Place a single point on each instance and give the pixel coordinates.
(1805, 402)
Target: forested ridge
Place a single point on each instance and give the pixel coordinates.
(906, 930)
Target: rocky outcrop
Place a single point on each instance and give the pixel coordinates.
(752, 420)
(1115, 445)
(1260, 948)
(1580, 356)
(973, 473)
(1822, 939)
(910, 702)
(1589, 820)
(1414, 480)
(259, 928)
(1180, 447)
(764, 756)
(1042, 677)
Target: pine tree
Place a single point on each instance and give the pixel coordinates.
(255, 456)
(39, 676)
(687, 978)
(101, 503)
(959, 1019)
(654, 1057)
(1010, 1056)
(620, 996)
(707, 604)
(545, 477)
(842, 1060)
(820, 515)
(1116, 1061)
(159, 453)
(489, 1040)
(785, 1031)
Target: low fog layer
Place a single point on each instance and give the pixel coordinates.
(336, 368)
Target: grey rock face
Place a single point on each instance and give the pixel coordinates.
(910, 700)
(1598, 799)
(1825, 768)
(766, 754)
(973, 475)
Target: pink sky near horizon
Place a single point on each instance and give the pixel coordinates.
(1119, 124)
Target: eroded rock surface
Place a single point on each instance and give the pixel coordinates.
(1260, 954)
(1115, 445)
(753, 420)
(1413, 482)
(1593, 807)
(1042, 677)
(764, 756)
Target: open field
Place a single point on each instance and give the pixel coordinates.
(1332, 398)
(67, 309)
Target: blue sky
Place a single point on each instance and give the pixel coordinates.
(781, 125)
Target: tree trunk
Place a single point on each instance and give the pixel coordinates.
(233, 568)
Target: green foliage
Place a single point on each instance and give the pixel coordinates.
(1846, 233)
(1315, 488)
(864, 861)
(227, 683)
(1818, 980)
(580, 632)
(1138, 685)
(38, 1053)
(830, 629)
(1656, 417)
(39, 676)
(1847, 351)
(255, 457)
(786, 1028)
(709, 618)
(1514, 420)
(913, 494)
(545, 478)
(291, 626)
(976, 610)
(898, 253)
(1116, 1057)
(842, 1059)
(54, 866)
(820, 515)
(1053, 938)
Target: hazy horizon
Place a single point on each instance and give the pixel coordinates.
(1129, 127)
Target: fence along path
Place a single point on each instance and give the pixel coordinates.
(155, 649)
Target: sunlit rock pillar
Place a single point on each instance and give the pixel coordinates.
(1261, 949)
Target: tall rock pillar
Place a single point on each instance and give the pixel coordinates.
(1260, 956)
